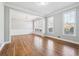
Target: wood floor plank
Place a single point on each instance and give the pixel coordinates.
(32, 45)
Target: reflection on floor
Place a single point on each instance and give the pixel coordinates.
(31, 45)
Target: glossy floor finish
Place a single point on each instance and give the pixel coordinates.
(31, 45)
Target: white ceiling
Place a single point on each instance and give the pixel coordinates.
(21, 16)
(41, 9)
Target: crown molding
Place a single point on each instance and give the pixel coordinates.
(22, 9)
(37, 14)
(76, 4)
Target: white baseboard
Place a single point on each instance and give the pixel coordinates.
(4, 44)
(20, 32)
(63, 39)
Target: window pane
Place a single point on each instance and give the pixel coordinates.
(50, 24)
(69, 23)
(39, 26)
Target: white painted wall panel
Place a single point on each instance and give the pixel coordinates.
(1, 23)
(19, 25)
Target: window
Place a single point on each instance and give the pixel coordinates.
(50, 24)
(69, 22)
(39, 26)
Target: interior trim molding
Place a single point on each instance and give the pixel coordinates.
(76, 4)
(52, 37)
(4, 43)
(70, 41)
(22, 9)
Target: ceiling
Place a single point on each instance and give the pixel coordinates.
(21, 16)
(41, 10)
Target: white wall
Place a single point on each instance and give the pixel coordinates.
(6, 24)
(20, 25)
(58, 26)
(1, 23)
(20, 28)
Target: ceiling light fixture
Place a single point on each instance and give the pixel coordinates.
(43, 3)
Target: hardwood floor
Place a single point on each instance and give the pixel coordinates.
(32, 45)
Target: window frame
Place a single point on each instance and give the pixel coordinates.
(75, 22)
(52, 24)
(38, 21)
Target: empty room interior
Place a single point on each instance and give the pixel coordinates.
(39, 28)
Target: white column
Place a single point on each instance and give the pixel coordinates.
(1, 23)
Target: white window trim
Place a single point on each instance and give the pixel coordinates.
(43, 29)
(75, 23)
(52, 25)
